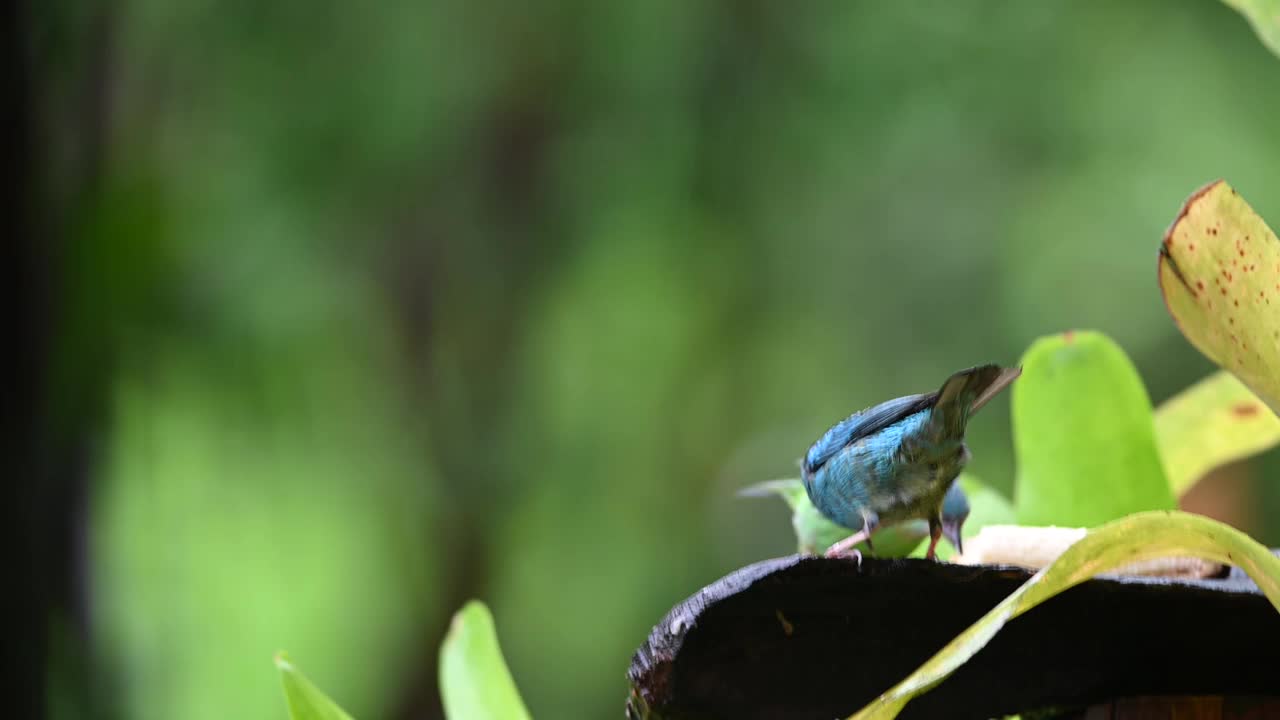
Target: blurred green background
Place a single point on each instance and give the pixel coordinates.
(360, 311)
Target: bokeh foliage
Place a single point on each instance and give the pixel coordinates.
(397, 305)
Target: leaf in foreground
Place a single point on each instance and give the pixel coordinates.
(1264, 16)
(1220, 277)
(1212, 423)
(475, 683)
(1083, 435)
(1144, 536)
(304, 699)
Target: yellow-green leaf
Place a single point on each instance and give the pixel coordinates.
(1083, 435)
(1144, 536)
(1214, 422)
(1264, 16)
(475, 683)
(1220, 277)
(304, 699)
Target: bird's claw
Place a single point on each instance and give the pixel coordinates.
(845, 548)
(836, 552)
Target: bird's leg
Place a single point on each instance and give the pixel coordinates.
(870, 523)
(935, 533)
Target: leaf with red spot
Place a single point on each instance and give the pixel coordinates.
(1212, 423)
(1220, 277)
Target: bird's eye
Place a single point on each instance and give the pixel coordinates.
(933, 467)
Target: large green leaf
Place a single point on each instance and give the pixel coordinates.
(1214, 422)
(305, 700)
(1144, 536)
(1083, 435)
(1220, 277)
(1264, 16)
(815, 533)
(475, 683)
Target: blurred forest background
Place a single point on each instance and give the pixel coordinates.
(336, 315)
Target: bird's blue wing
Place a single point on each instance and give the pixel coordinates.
(862, 424)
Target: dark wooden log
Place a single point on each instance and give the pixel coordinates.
(808, 637)
(1211, 707)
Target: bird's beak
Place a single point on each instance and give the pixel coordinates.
(952, 533)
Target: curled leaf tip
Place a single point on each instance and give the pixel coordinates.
(1166, 260)
(1191, 199)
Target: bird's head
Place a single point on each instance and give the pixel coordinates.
(955, 510)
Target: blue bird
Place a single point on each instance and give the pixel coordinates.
(896, 461)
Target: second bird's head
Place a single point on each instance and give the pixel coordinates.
(955, 510)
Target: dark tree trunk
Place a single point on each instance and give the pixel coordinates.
(25, 275)
(806, 637)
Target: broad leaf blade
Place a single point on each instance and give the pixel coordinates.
(1214, 422)
(1264, 16)
(1144, 536)
(1083, 435)
(305, 700)
(475, 683)
(1220, 277)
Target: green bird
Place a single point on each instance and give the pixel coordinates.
(814, 532)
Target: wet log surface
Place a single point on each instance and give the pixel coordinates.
(808, 637)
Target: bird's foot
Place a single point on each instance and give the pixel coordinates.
(846, 547)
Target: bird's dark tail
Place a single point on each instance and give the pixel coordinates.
(964, 393)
